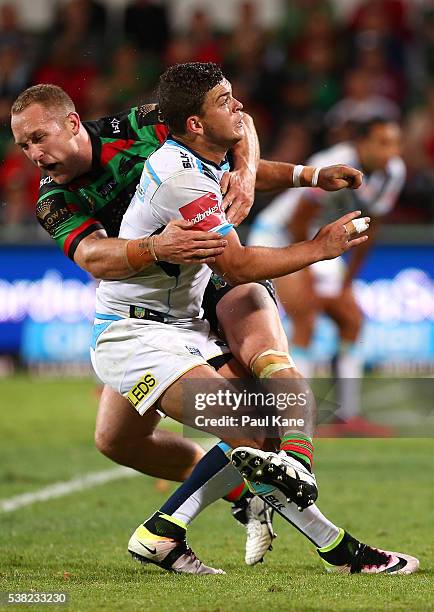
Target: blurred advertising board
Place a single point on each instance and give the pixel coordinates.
(47, 306)
(395, 290)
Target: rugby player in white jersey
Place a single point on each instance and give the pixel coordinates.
(327, 286)
(150, 339)
(84, 221)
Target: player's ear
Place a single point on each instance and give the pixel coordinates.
(194, 125)
(73, 121)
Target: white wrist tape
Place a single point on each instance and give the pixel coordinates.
(296, 174)
(315, 177)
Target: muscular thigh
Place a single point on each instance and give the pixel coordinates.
(250, 322)
(117, 416)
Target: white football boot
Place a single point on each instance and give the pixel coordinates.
(166, 553)
(278, 470)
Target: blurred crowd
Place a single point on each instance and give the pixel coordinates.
(304, 81)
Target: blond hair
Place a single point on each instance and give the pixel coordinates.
(46, 95)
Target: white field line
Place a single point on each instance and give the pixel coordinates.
(59, 489)
(80, 483)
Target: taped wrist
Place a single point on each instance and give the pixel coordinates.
(140, 253)
(305, 176)
(269, 362)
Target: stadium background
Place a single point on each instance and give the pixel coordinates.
(292, 63)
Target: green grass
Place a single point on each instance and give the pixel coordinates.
(381, 491)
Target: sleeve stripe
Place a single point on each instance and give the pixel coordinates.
(83, 230)
(110, 149)
(161, 132)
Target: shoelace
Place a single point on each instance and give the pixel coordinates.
(366, 555)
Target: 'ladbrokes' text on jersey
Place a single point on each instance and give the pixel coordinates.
(175, 184)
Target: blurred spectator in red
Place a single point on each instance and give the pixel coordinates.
(382, 23)
(19, 187)
(179, 50)
(419, 135)
(360, 104)
(205, 44)
(385, 79)
(69, 70)
(384, 17)
(147, 26)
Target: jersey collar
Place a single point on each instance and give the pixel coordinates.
(221, 166)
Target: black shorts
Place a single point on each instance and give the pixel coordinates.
(214, 292)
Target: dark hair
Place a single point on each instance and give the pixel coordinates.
(45, 94)
(362, 129)
(181, 92)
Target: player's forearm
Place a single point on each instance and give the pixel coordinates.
(114, 258)
(273, 176)
(246, 152)
(260, 263)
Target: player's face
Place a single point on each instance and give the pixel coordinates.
(380, 146)
(47, 138)
(222, 116)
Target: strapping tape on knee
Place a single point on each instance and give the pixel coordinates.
(269, 362)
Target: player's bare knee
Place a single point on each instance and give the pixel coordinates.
(108, 443)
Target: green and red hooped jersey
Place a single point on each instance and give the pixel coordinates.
(99, 199)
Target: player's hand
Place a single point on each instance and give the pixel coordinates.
(180, 244)
(333, 178)
(338, 237)
(238, 188)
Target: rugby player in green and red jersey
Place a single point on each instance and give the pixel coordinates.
(90, 171)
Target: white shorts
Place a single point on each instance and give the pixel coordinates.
(328, 275)
(141, 359)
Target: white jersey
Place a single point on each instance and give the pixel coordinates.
(376, 197)
(175, 184)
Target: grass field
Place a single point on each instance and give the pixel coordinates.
(380, 490)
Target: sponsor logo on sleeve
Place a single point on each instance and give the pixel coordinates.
(142, 389)
(115, 125)
(205, 213)
(51, 215)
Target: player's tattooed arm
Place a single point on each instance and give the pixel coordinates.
(116, 258)
(238, 186)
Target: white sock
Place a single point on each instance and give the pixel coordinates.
(311, 522)
(216, 487)
(303, 360)
(349, 371)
